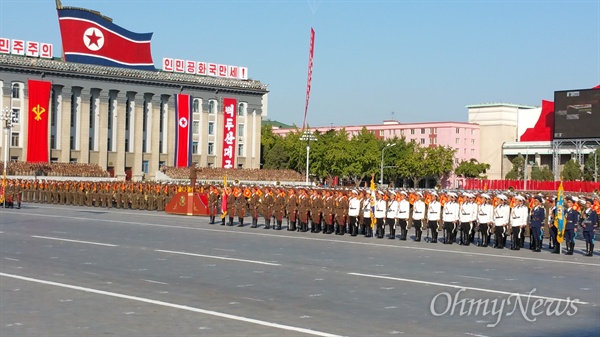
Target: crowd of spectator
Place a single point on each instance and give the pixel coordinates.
(54, 169)
(208, 173)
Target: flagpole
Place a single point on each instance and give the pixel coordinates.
(7, 117)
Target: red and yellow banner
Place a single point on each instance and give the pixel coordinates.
(38, 117)
(311, 54)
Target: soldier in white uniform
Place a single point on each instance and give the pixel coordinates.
(434, 210)
(464, 217)
(380, 208)
(501, 219)
(390, 217)
(450, 217)
(485, 219)
(518, 220)
(403, 214)
(418, 215)
(366, 229)
(353, 212)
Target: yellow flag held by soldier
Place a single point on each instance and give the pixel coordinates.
(373, 221)
(224, 199)
(559, 219)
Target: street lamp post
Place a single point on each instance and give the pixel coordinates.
(382, 152)
(308, 137)
(7, 117)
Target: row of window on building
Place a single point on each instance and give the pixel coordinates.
(17, 103)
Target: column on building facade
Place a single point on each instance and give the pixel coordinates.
(64, 109)
(169, 130)
(83, 112)
(24, 124)
(102, 127)
(56, 91)
(253, 155)
(119, 108)
(4, 105)
(137, 108)
(153, 132)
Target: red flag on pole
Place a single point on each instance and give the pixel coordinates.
(311, 52)
(37, 130)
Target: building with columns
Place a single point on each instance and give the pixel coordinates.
(124, 119)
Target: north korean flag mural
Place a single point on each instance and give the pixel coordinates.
(183, 130)
(88, 37)
(37, 130)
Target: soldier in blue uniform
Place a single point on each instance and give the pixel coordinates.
(536, 222)
(589, 223)
(571, 221)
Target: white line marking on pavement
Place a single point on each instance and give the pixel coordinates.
(10, 259)
(173, 305)
(157, 282)
(225, 250)
(466, 288)
(217, 257)
(77, 241)
(284, 235)
(476, 278)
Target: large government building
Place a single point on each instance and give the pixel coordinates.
(123, 119)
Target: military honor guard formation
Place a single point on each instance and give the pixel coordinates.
(485, 219)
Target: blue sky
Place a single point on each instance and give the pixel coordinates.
(413, 61)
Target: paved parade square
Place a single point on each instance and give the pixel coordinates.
(78, 271)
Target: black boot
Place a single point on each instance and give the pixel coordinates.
(254, 223)
(223, 221)
(279, 225)
(570, 247)
(230, 223)
(556, 248)
(591, 252)
(212, 220)
(267, 224)
(241, 222)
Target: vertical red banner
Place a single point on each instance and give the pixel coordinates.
(183, 130)
(37, 131)
(229, 132)
(311, 53)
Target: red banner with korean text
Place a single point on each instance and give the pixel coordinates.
(183, 132)
(229, 132)
(311, 53)
(38, 117)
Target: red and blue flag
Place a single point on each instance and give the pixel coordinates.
(183, 130)
(91, 38)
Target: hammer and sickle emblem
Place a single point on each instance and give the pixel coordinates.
(38, 110)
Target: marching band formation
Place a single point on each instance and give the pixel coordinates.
(484, 219)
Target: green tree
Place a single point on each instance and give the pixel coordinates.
(267, 140)
(364, 148)
(472, 169)
(439, 161)
(276, 157)
(517, 173)
(541, 173)
(393, 154)
(592, 166)
(413, 165)
(571, 171)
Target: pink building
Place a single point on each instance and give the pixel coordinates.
(464, 137)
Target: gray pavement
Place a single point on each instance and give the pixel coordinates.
(79, 271)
